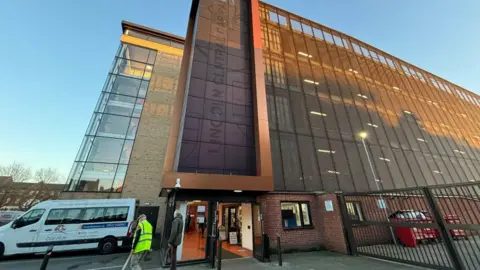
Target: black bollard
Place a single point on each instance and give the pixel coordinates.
(46, 258)
(213, 244)
(219, 263)
(279, 250)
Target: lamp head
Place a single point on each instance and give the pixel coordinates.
(177, 185)
(363, 134)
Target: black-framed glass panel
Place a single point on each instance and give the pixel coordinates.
(111, 133)
(296, 215)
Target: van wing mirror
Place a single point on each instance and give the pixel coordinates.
(14, 224)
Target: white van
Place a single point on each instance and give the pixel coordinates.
(69, 225)
(7, 216)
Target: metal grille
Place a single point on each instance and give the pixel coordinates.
(435, 227)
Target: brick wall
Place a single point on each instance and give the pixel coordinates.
(331, 224)
(87, 195)
(292, 239)
(327, 231)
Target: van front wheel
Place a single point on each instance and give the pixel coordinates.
(107, 245)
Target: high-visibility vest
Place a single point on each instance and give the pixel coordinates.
(145, 241)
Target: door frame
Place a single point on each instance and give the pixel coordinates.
(261, 254)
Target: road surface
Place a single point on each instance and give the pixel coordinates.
(75, 261)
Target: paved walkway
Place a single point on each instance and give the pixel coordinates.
(308, 261)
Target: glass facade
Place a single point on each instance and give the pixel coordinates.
(324, 88)
(101, 163)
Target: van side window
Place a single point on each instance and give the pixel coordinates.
(63, 216)
(116, 214)
(30, 218)
(93, 215)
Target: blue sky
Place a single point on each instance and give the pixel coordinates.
(55, 55)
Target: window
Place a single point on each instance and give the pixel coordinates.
(124, 85)
(296, 25)
(272, 16)
(338, 41)
(354, 210)
(317, 33)
(282, 20)
(92, 215)
(29, 218)
(116, 214)
(296, 215)
(136, 53)
(64, 216)
(328, 37)
(307, 29)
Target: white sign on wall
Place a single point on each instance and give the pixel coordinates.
(329, 205)
(382, 204)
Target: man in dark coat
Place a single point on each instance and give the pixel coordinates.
(175, 238)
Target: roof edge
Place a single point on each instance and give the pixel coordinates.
(151, 31)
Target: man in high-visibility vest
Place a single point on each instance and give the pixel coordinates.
(142, 242)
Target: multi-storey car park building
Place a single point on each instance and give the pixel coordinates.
(262, 116)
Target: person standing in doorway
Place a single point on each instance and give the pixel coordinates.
(175, 238)
(142, 242)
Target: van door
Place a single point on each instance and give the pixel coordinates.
(24, 232)
(60, 229)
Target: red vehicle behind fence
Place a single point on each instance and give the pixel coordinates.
(410, 237)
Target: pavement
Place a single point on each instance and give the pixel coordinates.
(434, 254)
(309, 261)
(298, 261)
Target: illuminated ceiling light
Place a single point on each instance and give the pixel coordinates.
(458, 151)
(421, 140)
(318, 113)
(396, 88)
(362, 96)
(408, 112)
(326, 151)
(363, 134)
(439, 172)
(476, 137)
(149, 67)
(378, 180)
(464, 115)
(311, 82)
(305, 54)
(352, 70)
(333, 172)
(471, 180)
(237, 191)
(372, 125)
(384, 159)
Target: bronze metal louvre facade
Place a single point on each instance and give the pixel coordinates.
(325, 87)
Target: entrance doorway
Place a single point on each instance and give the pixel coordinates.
(201, 219)
(236, 219)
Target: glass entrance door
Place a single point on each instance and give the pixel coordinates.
(195, 215)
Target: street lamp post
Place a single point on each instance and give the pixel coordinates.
(363, 135)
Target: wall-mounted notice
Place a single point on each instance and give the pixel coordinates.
(329, 205)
